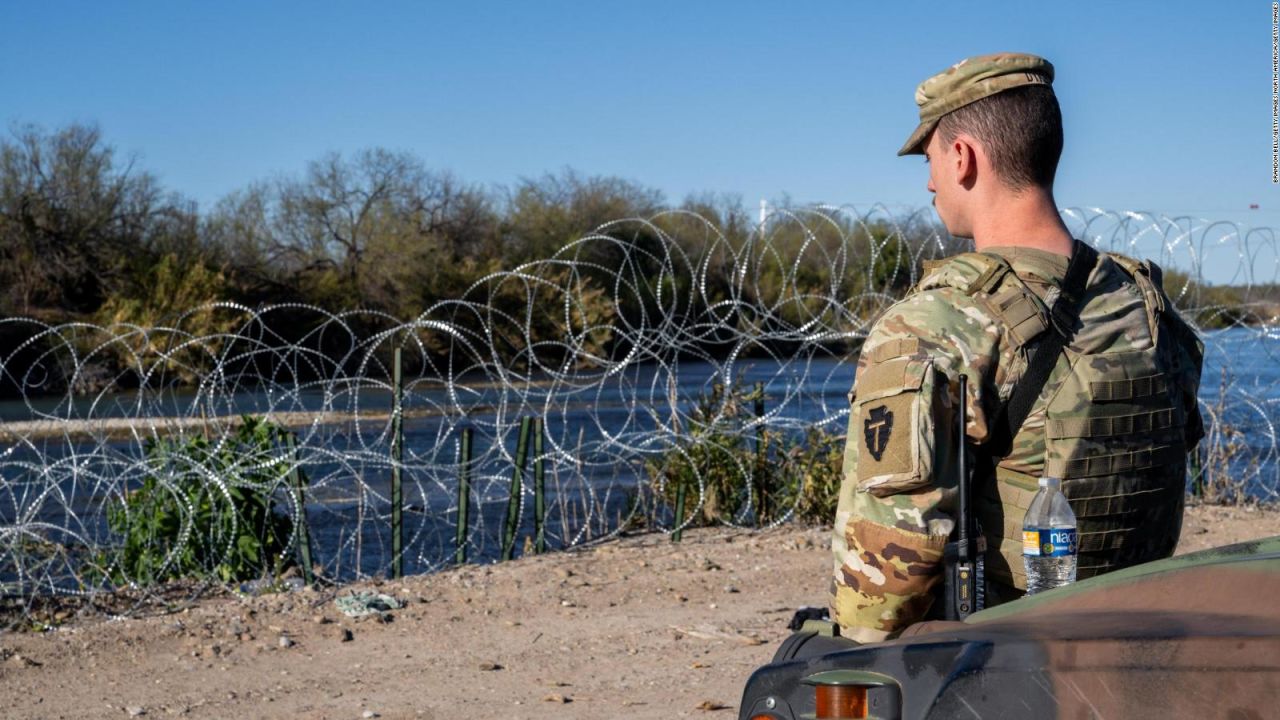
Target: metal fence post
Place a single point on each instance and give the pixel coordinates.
(539, 491)
(514, 499)
(679, 531)
(762, 489)
(464, 497)
(397, 458)
(299, 498)
(1197, 473)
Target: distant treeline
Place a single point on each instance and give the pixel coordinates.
(1213, 307)
(86, 235)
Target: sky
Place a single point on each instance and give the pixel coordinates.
(1166, 105)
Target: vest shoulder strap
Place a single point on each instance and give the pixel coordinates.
(969, 273)
(1132, 265)
(1149, 278)
(1041, 363)
(991, 281)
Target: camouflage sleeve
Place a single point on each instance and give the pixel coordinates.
(893, 517)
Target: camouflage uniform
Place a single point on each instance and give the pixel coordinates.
(1114, 421)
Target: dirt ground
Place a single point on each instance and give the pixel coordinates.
(637, 628)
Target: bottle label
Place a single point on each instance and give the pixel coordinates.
(1048, 542)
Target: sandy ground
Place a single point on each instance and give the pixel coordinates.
(637, 628)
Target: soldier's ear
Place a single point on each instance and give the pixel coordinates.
(965, 151)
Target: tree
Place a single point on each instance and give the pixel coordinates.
(72, 219)
(545, 214)
(375, 230)
(237, 237)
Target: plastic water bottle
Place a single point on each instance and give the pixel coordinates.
(1049, 539)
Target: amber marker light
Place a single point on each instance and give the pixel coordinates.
(841, 702)
(852, 694)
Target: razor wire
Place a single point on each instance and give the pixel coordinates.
(631, 345)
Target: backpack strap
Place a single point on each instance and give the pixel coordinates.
(1064, 314)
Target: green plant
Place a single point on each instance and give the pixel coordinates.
(817, 461)
(170, 293)
(712, 460)
(1216, 472)
(206, 510)
(727, 466)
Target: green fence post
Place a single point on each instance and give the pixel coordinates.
(761, 487)
(679, 531)
(514, 498)
(299, 498)
(1197, 473)
(539, 491)
(397, 458)
(464, 497)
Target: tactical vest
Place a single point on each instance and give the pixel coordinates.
(1114, 421)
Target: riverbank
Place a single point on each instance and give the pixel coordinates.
(638, 628)
(110, 428)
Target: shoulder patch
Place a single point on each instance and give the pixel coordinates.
(877, 427)
(891, 422)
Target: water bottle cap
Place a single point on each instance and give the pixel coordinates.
(1050, 482)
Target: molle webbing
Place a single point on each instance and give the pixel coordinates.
(1091, 465)
(1131, 389)
(1138, 423)
(1093, 499)
(1107, 515)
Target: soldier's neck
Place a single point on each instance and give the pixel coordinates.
(1027, 219)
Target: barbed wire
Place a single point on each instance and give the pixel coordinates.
(629, 345)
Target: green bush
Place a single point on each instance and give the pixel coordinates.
(816, 463)
(207, 510)
(728, 467)
(712, 462)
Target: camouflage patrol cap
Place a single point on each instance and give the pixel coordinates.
(969, 80)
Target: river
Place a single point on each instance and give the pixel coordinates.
(599, 432)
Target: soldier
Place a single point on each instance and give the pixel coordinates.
(1109, 406)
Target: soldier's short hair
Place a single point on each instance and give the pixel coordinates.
(1021, 130)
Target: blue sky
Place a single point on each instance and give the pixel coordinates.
(1166, 105)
